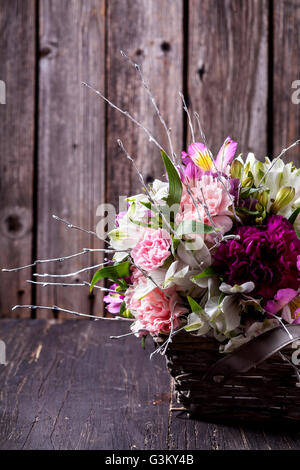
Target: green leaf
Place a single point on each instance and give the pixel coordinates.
(187, 227)
(122, 308)
(294, 215)
(207, 272)
(115, 272)
(174, 246)
(244, 210)
(175, 185)
(146, 204)
(194, 305)
(245, 192)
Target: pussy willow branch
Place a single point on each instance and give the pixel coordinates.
(188, 115)
(69, 225)
(64, 284)
(56, 308)
(62, 258)
(151, 138)
(202, 135)
(146, 86)
(169, 340)
(173, 154)
(277, 158)
(71, 274)
(162, 346)
(127, 114)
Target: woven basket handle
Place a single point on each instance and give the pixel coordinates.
(252, 353)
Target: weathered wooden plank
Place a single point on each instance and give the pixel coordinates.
(17, 71)
(68, 386)
(228, 71)
(286, 71)
(150, 32)
(71, 141)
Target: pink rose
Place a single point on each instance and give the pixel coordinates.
(152, 250)
(153, 312)
(210, 191)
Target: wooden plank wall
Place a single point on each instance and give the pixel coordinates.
(234, 60)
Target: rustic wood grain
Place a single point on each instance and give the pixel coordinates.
(228, 71)
(286, 70)
(68, 386)
(71, 165)
(17, 70)
(151, 33)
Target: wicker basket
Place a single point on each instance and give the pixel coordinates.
(268, 391)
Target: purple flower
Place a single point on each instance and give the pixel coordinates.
(119, 216)
(265, 255)
(113, 300)
(288, 301)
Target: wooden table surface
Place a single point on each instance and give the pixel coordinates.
(68, 386)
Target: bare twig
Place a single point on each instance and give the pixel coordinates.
(74, 284)
(56, 308)
(188, 115)
(127, 114)
(146, 86)
(203, 138)
(71, 274)
(283, 151)
(63, 258)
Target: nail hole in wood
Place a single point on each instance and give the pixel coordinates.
(139, 52)
(165, 46)
(13, 223)
(201, 72)
(149, 179)
(45, 51)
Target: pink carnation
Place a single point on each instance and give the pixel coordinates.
(210, 191)
(153, 311)
(152, 250)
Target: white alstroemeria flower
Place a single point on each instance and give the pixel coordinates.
(279, 175)
(237, 289)
(197, 324)
(159, 191)
(176, 274)
(128, 233)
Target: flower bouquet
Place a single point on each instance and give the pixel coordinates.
(207, 263)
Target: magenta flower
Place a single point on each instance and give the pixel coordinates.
(113, 300)
(264, 255)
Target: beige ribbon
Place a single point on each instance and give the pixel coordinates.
(252, 353)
